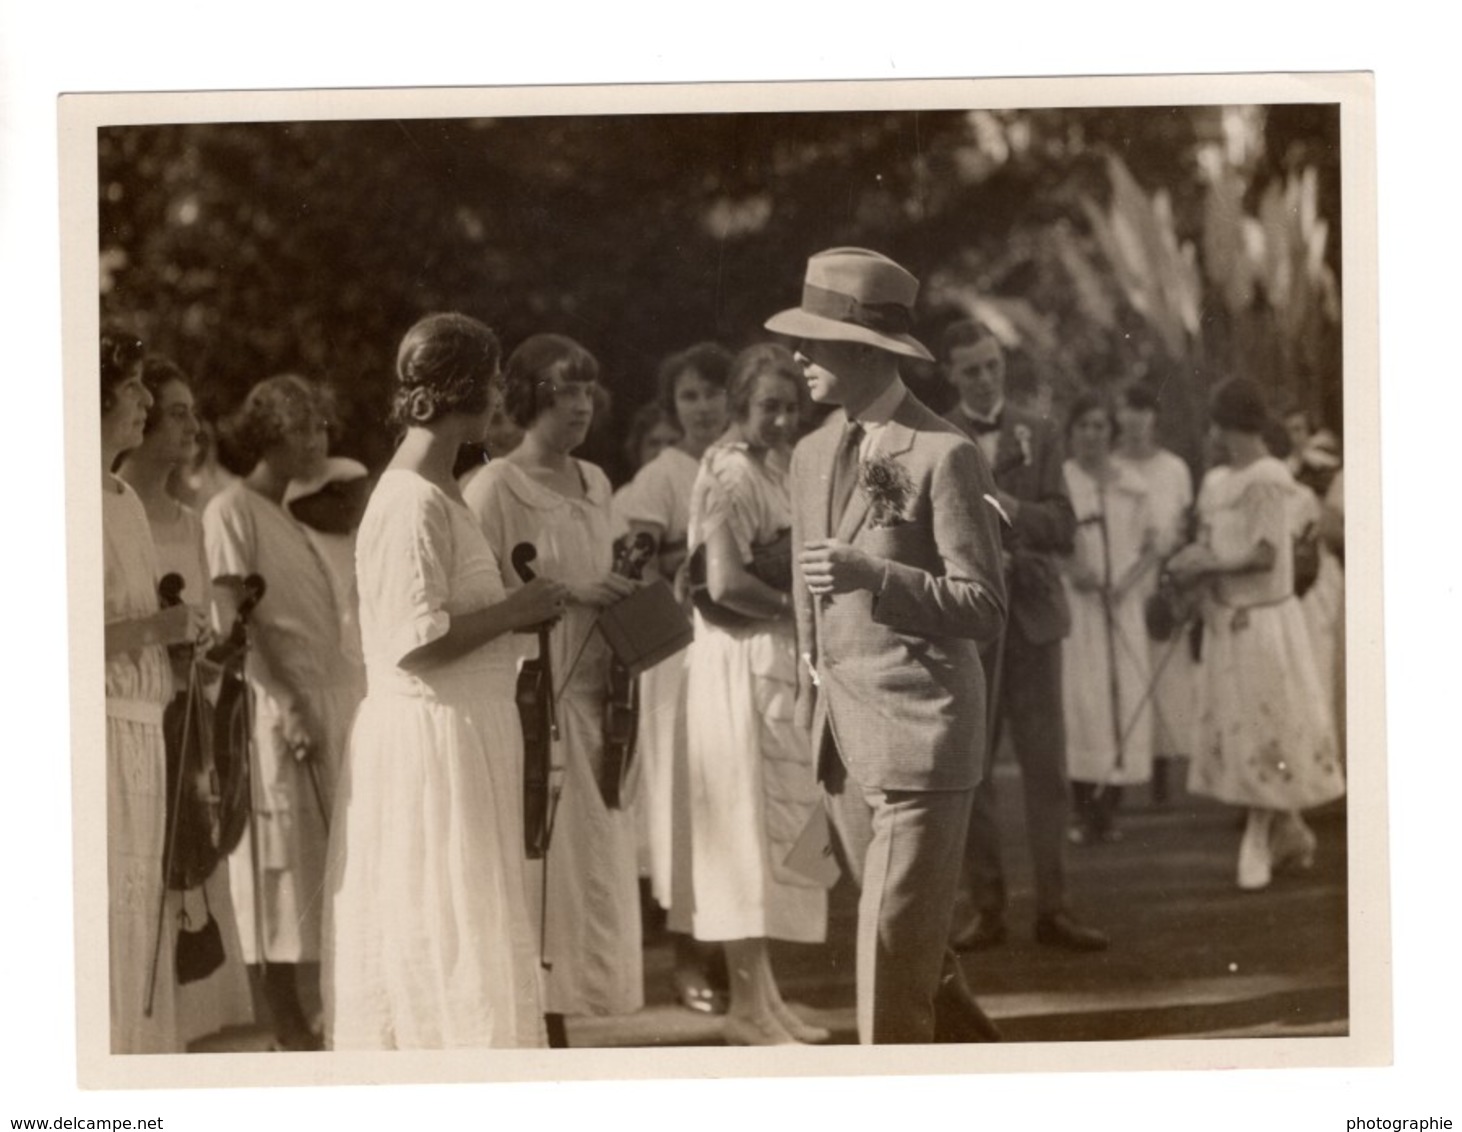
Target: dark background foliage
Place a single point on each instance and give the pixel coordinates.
(1178, 243)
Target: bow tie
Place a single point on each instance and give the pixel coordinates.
(980, 426)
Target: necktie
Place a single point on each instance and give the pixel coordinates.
(845, 473)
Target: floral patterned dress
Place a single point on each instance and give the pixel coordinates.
(1264, 736)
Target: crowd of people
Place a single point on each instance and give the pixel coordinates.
(876, 592)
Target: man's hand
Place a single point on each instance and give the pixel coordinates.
(831, 566)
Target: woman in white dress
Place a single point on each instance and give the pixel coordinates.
(1170, 502)
(692, 390)
(1108, 708)
(138, 685)
(752, 782)
(585, 891)
(306, 682)
(221, 999)
(428, 939)
(1264, 739)
(651, 431)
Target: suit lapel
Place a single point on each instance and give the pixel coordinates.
(894, 439)
(818, 496)
(1008, 457)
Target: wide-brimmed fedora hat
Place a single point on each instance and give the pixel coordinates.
(855, 295)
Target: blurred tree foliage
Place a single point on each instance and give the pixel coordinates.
(1183, 243)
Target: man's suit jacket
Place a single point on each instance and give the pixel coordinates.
(1028, 458)
(899, 675)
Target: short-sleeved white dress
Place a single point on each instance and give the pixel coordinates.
(751, 775)
(660, 495)
(222, 998)
(298, 653)
(428, 941)
(1174, 670)
(591, 922)
(1105, 673)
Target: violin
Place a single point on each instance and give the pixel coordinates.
(233, 718)
(538, 713)
(622, 699)
(193, 799)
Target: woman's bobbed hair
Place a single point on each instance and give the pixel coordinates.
(1238, 406)
(120, 353)
(446, 364)
(709, 359)
(1086, 402)
(750, 364)
(159, 372)
(272, 408)
(646, 419)
(535, 367)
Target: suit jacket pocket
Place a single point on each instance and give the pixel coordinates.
(907, 543)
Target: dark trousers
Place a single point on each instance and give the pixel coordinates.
(902, 848)
(1030, 705)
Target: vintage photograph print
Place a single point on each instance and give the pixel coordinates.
(797, 580)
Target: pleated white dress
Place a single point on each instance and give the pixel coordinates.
(428, 940)
(138, 684)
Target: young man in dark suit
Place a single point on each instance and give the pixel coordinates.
(896, 580)
(1024, 453)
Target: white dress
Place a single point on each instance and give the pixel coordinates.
(1103, 745)
(222, 999)
(660, 494)
(429, 943)
(298, 651)
(138, 685)
(593, 910)
(753, 785)
(1174, 670)
(1323, 605)
(1264, 735)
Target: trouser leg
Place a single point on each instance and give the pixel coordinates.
(903, 848)
(1034, 712)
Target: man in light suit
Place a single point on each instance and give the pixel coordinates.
(1024, 453)
(896, 581)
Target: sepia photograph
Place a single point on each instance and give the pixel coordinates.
(781, 579)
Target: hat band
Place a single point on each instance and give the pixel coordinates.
(886, 318)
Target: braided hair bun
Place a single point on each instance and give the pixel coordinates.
(446, 364)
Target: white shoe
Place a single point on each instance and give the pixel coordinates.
(743, 1031)
(1255, 863)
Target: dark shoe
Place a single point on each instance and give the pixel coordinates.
(958, 1018)
(984, 931)
(1060, 930)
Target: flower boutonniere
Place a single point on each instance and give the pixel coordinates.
(1023, 438)
(889, 489)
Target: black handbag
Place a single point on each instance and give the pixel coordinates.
(198, 952)
(770, 563)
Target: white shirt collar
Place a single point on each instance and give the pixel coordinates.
(986, 418)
